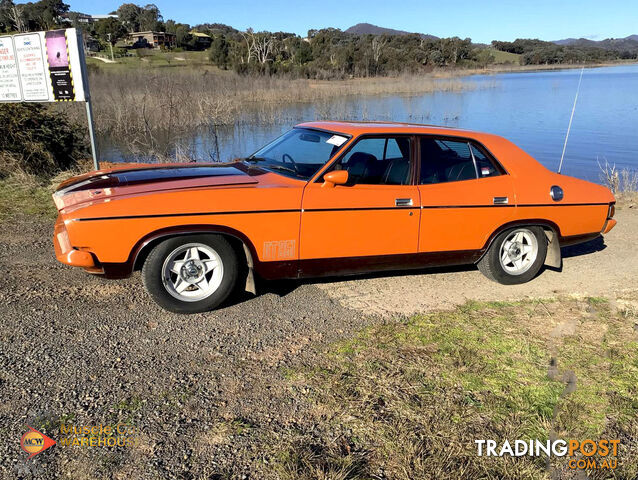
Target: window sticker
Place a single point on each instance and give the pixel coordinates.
(336, 140)
(485, 171)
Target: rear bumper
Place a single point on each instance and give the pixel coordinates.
(611, 223)
(68, 255)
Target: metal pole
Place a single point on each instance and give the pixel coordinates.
(89, 120)
(87, 99)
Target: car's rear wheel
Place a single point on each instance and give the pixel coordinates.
(515, 256)
(191, 274)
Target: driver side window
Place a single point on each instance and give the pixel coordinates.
(378, 161)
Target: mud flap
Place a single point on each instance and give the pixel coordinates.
(250, 278)
(553, 258)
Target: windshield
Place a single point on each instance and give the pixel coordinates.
(299, 153)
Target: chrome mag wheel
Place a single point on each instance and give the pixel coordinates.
(192, 272)
(518, 251)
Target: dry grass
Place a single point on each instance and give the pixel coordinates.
(146, 106)
(408, 400)
(619, 181)
(24, 193)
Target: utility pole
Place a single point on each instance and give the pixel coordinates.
(111, 45)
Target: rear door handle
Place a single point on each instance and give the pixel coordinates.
(501, 200)
(403, 202)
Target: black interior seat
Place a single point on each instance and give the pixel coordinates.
(397, 172)
(460, 171)
(358, 166)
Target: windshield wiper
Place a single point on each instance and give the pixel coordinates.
(283, 169)
(255, 159)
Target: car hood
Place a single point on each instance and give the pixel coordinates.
(99, 184)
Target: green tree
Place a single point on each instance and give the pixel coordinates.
(183, 36)
(129, 15)
(150, 17)
(109, 29)
(6, 16)
(219, 51)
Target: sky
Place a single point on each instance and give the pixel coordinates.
(481, 20)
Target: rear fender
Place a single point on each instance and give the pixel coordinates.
(552, 232)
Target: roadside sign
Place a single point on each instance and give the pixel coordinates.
(9, 79)
(46, 67)
(42, 67)
(31, 68)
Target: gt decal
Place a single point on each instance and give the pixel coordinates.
(279, 250)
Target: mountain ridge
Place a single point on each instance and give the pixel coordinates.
(370, 29)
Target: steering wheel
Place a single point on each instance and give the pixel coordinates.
(290, 160)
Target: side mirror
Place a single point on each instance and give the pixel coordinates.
(336, 177)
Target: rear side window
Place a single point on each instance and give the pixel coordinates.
(444, 160)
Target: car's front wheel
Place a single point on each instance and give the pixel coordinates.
(515, 256)
(191, 274)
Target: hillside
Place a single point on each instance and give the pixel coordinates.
(626, 43)
(369, 29)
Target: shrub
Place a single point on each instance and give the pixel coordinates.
(38, 140)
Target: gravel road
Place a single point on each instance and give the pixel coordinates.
(76, 348)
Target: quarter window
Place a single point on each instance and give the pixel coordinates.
(484, 166)
(444, 160)
(378, 161)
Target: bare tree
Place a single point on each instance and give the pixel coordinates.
(264, 47)
(259, 45)
(16, 17)
(249, 38)
(378, 43)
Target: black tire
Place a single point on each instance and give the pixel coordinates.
(153, 277)
(491, 266)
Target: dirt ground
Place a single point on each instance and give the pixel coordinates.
(600, 268)
(79, 349)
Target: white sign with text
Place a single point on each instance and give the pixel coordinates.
(9, 80)
(41, 67)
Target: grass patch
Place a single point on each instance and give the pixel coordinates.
(25, 196)
(407, 400)
(505, 57)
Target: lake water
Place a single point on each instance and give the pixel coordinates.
(531, 109)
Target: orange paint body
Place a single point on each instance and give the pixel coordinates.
(284, 222)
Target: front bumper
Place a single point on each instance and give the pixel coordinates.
(65, 253)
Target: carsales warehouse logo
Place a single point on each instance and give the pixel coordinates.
(34, 442)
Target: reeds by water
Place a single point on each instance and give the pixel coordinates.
(144, 106)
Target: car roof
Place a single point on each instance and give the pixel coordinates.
(359, 128)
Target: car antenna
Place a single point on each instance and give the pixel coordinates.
(569, 127)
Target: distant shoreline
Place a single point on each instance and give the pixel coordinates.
(497, 69)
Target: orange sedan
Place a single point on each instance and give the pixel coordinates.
(327, 198)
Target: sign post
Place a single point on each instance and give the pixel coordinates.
(46, 67)
(87, 100)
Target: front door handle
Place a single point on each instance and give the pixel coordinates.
(501, 200)
(403, 202)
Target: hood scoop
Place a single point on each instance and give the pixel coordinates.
(103, 185)
(222, 175)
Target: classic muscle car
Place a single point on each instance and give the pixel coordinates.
(327, 198)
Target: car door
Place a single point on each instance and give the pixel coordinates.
(376, 214)
(465, 194)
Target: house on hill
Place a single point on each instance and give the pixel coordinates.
(152, 40)
(201, 40)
